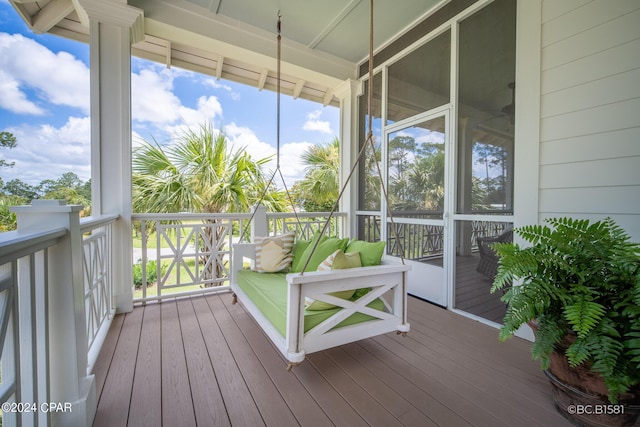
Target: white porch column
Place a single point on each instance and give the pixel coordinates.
(347, 93)
(69, 382)
(114, 26)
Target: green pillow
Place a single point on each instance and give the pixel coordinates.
(298, 249)
(299, 259)
(346, 260)
(326, 247)
(370, 253)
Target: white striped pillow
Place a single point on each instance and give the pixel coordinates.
(274, 253)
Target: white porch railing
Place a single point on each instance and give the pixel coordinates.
(185, 254)
(55, 309)
(97, 279)
(24, 338)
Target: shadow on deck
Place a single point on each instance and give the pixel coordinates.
(203, 361)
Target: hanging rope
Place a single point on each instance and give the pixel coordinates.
(368, 142)
(277, 169)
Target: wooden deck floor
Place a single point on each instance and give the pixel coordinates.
(472, 291)
(202, 361)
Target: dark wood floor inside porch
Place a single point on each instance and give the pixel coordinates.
(202, 361)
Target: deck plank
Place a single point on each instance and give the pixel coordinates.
(103, 362)
(301, 403)
(146, 398)
(271, 405)
(113, 406)
(393, 402)
(426, 378)
(238, 400)
(417, 397)
(177, 404)
(484, 385)
(207, 399)
(339, 410)
(369, 409)
(203, 360)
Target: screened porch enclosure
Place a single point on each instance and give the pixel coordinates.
(443, 120)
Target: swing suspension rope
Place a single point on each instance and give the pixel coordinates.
(368, 143)
(277, 169)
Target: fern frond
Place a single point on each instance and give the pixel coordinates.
(583, 316)
(606, 358)
(580, 351)
(633, 348)
(549, 334)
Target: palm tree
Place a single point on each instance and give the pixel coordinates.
(318, 190)
(200, 173)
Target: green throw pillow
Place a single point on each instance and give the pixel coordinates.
(298, 249)
(370, 253)
(346, 260)
(300, 259)
(326, 247)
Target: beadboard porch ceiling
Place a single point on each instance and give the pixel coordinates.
(236, 39)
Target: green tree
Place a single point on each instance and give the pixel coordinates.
(68, 187)
(8, 218)
(21, 189)
(493, 158)
(7, 140)
(200, 172)
(318, 191)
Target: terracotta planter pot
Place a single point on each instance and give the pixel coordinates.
(581, 395)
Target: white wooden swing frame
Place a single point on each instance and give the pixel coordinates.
(387, 282)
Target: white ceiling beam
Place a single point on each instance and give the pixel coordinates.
(298, 88)
(82, 14)
(328, 96)
(263, 78)
(51, 14)
(117, 14)
(219, 65)
(168, 54)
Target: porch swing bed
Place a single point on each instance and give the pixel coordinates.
(307, 310)
(276, 301)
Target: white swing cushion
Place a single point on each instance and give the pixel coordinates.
(274, 253)
(336, 261)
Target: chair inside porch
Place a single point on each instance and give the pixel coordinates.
(203, 361)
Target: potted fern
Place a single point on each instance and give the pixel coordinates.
(578, 285)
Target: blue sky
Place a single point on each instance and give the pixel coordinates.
(44, 102)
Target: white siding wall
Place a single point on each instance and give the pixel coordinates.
(590, 111)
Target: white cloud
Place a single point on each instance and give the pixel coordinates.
(291, 166)
(314, 123)
(13, 99)
(46, 152)
(56, 78)
(153, 101)
(243, 137)
(215, 84)
(208, 109)
(152, 98)
(291, 161)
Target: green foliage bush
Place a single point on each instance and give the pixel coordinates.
(152, 273)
